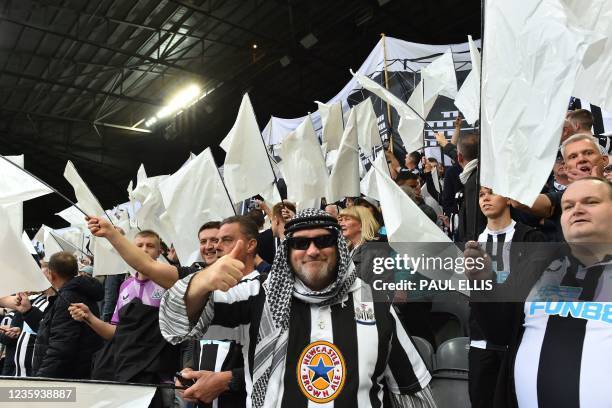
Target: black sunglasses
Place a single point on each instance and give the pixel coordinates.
(608, 168)
(303, 243)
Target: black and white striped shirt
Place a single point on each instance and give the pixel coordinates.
(25, 343)
(564, 357)
(497, 245)
(363, 345)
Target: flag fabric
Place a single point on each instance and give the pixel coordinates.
(141, 175)
(246, 170)
(19, 270)
(331, 118)
(73, 216)
(107, 260)
(404, 220)
(367, 126)
(303, 164)
(439, 78)
(17, 186)
(368, 184)
(468, 97)
(192, 196)
(344, 177)
(531, 58)
(84, 393)
(28, 243)
(410, 127)
(86, 199)
(411, 232)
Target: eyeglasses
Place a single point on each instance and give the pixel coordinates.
(608, 169)
(303, 243)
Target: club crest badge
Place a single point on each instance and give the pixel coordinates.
(157, 294)
(364, 313)
(321, 372)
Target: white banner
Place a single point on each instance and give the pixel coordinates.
(86, 394)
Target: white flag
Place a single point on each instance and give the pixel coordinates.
(412, 233)
(73, 216)
(303, 165)
(531, 57)
(410, 127)
(368, 184)
(148, 217)
(28, 243)
(86, 199)
(404, 220)
(439, 78)
(246, 170)
(468, 97)
(192, 196)
(367, 126)
(86, 394)
(51, 245)
(141, 175)
(19, 270)
(17, 186)
(594, 82)
(107, 260)
(331, 118)
(344, 177)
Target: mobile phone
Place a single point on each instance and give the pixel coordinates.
(183, 380)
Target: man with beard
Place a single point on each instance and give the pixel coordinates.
(311, 330)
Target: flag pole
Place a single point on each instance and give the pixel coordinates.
(263, 142)
(45, 183)
(482, 17)
(224, 186)
(384, 44)
(96, 198)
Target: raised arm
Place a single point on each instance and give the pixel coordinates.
(542, 207)
(163, 274)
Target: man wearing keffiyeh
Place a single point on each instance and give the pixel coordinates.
(311, 303)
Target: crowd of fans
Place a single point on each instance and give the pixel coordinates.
(238, 326)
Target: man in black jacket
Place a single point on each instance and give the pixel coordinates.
(507, 243)
(64, 347)
(471, 219)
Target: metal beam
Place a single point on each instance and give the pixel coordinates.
(77, 120)
(187, 34)
(81, 88)
(193, 7)
(99, 45)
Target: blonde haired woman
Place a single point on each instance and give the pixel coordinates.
(358, 226)
(360, 229)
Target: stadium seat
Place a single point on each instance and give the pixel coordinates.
(450, 389)
(426, 351)
(453, 355)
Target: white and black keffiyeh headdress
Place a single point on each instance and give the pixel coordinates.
(271, 347)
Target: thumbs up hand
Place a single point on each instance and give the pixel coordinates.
(224, 274)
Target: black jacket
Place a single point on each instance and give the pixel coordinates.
(471, 219)
(500, 313)
(64, 347)
(137, 352)
(519, 259)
